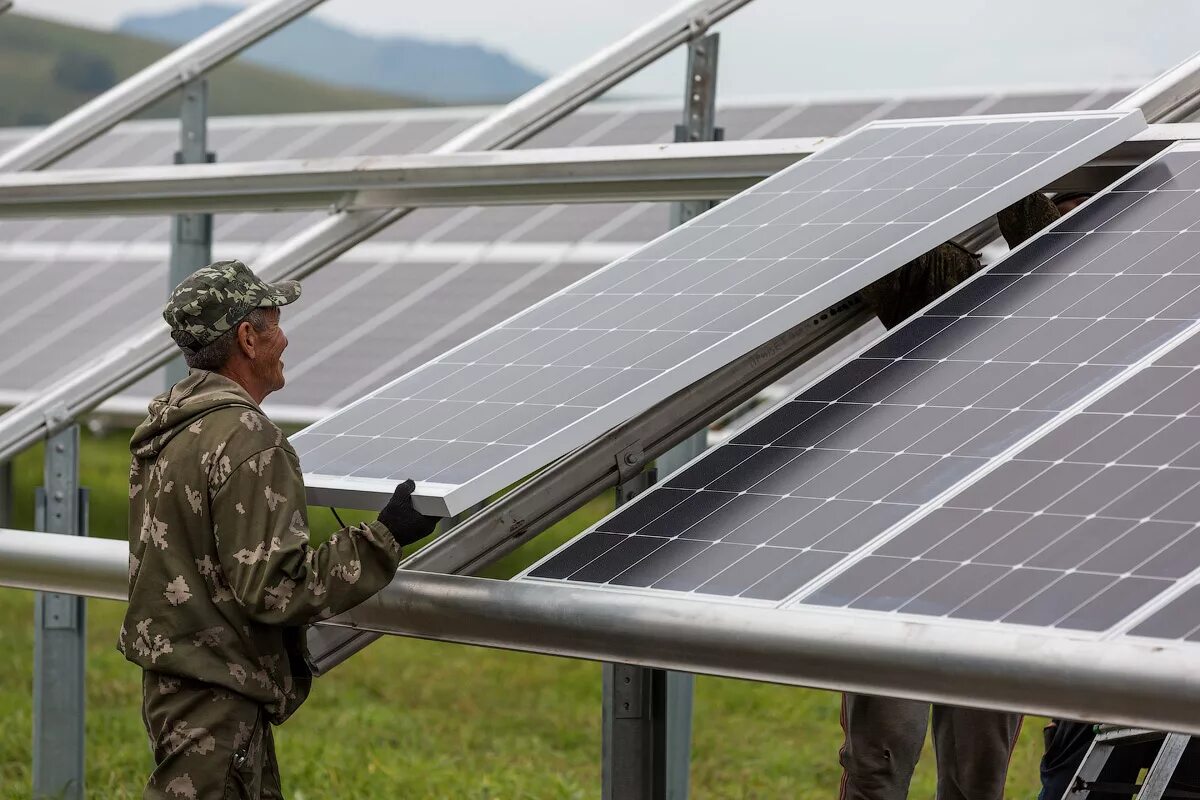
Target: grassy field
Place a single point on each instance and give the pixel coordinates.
(412, 719)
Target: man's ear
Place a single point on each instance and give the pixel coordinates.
(247, 339)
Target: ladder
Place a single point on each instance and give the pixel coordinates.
(1117, 757)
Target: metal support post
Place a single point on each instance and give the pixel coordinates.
(191, 234)
(699, 113)
(633, 744)
(699, 125)
(59, 635)
(647, 739)
(6, 494)
(667, 710)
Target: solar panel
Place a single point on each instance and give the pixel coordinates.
(558, 375)
(88, 244)
(1025, 452)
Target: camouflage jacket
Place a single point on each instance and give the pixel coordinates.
(221, 574)
(898, 295)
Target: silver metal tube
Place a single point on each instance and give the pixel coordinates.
(54, 562)
(152, 83)
(60, 635)
(149, 347)
(624, 173)
(1151, 685)
(561, 175)
(1174, 96)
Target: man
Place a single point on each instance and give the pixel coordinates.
(884, 736)
(221, 573)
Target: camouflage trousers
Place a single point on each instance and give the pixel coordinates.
(208, 743)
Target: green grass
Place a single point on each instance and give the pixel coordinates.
(414, 719)
(29, 95)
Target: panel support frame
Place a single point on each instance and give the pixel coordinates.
(647, 751)
(60, 635)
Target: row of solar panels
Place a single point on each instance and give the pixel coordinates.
(384, 308)
(1026, 452)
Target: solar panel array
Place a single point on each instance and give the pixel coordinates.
(1024, 453)
(470, 268)
(556, 376)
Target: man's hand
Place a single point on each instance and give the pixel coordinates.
(402, 520)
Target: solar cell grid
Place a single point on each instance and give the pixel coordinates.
(878, 475)
(88, 243)
(634, 332)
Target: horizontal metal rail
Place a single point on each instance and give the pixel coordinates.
(657, 172)
(661, 172)
(153, 83)
(1174, 96)
(1151, 685)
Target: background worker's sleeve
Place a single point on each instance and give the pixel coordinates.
(898, 295)
(1026, 217)
(261, 526)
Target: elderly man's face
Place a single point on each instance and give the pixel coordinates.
(267, 362)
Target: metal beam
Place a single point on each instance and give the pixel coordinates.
(627, 173)
(1174, 96)
(153, 83)
(657, 172)
(1054, 673)
(149, 347)
(60, 636)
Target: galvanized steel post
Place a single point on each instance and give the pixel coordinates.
(59, 636)
(191, 234)
(668, 748)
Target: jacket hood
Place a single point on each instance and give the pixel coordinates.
(197, 395)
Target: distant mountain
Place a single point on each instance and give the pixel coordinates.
(441, 71)
(48, 68)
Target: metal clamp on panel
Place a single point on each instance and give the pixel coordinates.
(630, 461)
(57, 417)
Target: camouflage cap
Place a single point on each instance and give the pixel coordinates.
(215, 298)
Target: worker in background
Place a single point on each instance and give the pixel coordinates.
(884, 736)
(221, 572)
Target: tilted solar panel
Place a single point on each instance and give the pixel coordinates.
(556, 376)
(1025, 452)
(89, 244)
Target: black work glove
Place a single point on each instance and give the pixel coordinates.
(403, 521)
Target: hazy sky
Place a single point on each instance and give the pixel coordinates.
(793, 46)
